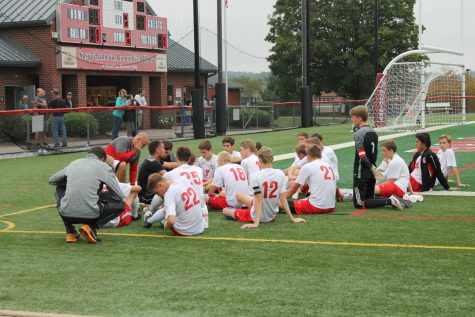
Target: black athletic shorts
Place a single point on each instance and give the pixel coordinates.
(363, 189)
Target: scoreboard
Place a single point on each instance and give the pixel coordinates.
(123, 23)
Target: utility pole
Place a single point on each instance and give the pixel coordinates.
(306, 95)
(221, 123)
(197, 93)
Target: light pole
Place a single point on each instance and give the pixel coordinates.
(197, 93)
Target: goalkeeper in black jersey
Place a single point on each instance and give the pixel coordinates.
(364, 169)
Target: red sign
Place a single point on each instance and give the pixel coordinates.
(111, 23)
(112, 60)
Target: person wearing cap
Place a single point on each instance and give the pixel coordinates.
(57, 121)
(69, 100)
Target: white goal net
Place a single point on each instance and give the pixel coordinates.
(414, 95)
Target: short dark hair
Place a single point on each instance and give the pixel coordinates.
(258, 145)
(424, 138)
(205, 145)
(183, 154)
(228, 139)
(304, 134)
(98, 151)
(153, 146)
(168, 145)
(317, 135)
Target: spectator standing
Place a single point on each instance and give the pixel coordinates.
(57, 121)
(121, 101)
(141, 101)
(24, 103)
(40, 102)
(69, 100)
(130, 117)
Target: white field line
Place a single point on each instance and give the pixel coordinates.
(345, 145)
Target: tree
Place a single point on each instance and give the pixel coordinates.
(251, 88)
(342, 39)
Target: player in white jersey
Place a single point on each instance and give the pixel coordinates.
(321, 182)
(208, 163)
(394, 171)
(447, 159)
(194, 174)
(269, 188)
(250, 162)
(230, 176)
(182, 206)
(228, 146)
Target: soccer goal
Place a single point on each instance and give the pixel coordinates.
(413, 95)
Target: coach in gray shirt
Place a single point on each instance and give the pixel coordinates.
(80, 198)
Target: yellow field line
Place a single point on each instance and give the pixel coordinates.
(10, 225)
(259, 240)
(27, 210)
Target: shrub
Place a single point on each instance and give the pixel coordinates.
(104, 120)
(165, 123)
(76, 124)
(15, 126)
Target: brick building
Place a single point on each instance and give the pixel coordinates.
(92, 48)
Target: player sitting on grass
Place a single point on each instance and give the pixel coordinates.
(425, 166)
(250, 162)
(125, 151)
(230, 176)
(395, 172)
(78, 197)
(130, 197)
(228, 145)
(321, 180)
(301, 137)
(269, 188)
(153, 164)
(182, 206)
(207, 162)
(194, 174)
(447, 159)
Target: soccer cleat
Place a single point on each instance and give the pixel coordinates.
(348, 196)
(146, 216)
(396, 203)
(88, 234)
(405, 203)
(72, 237)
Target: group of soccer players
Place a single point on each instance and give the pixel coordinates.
(177, 188)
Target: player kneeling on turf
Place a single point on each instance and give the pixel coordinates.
(269, 187)
(321, 181)
(182, 206)
(79, 199)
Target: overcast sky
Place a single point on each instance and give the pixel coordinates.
(247, 29)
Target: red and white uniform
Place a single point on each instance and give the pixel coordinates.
(207, 166)
(321, 180)
(396, 169)
(182, 201)
(125, 218)
(416, 176)
(447, 160)
(193, 174)
(270, 183)
(251, 166)
(328, 156)
(233, 178)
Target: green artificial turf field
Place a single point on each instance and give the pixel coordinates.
(371, 263)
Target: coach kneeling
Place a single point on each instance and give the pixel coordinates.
(80, 197)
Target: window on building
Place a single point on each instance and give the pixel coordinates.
(154, 24)
(94, 17)
(94, 2)
(77, 33)
(140, 7)
(140, 22)
(170, 95)
(75, 14)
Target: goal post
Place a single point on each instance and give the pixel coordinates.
(413, 95)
